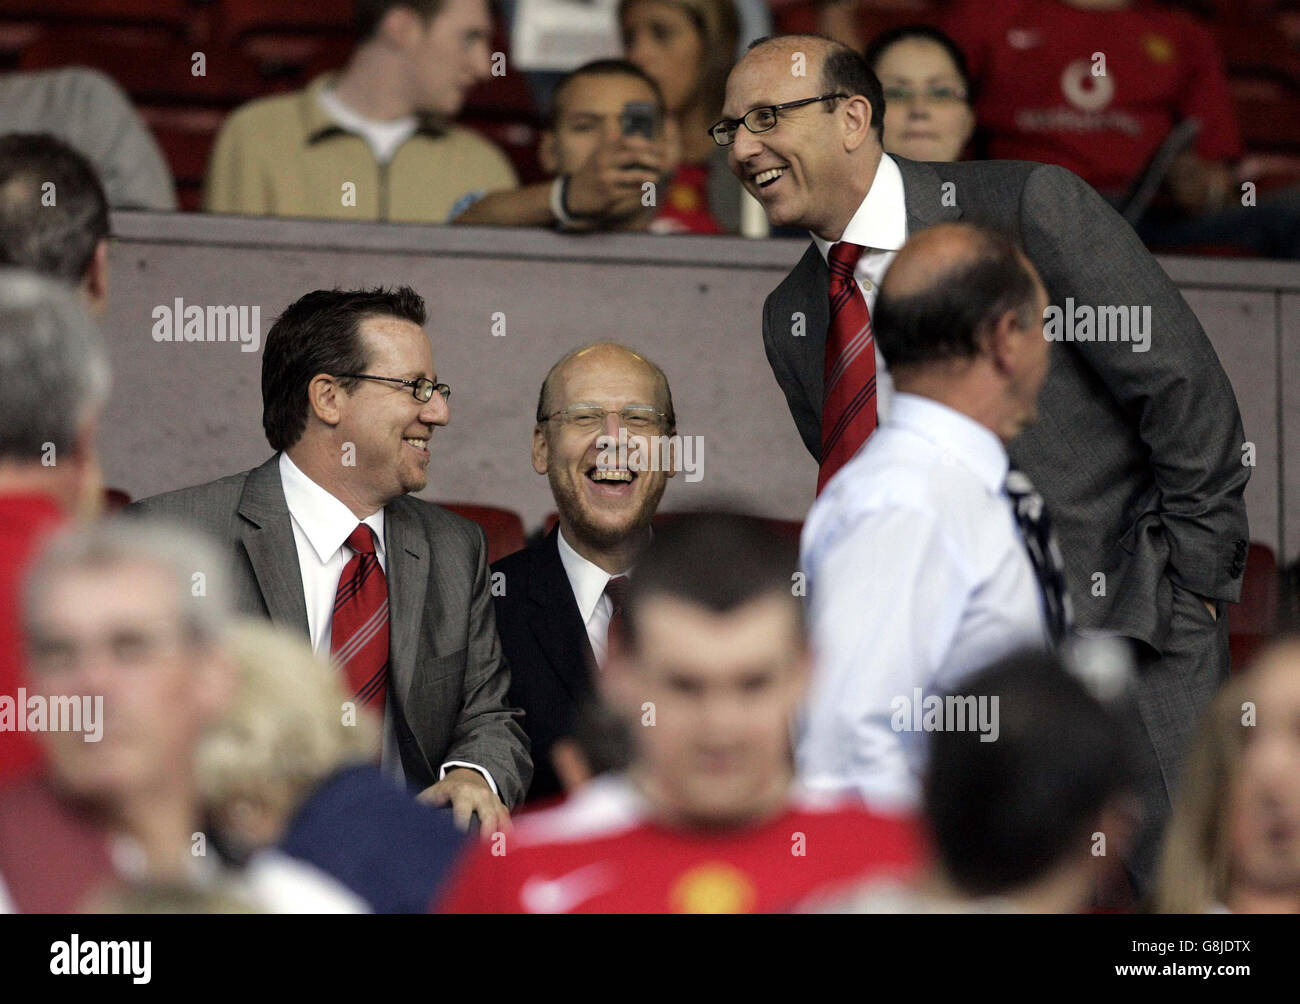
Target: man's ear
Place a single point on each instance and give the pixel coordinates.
(1003, 341)
(547, 157)
(401, 27)
(95, 283)
(541, 449)
(858, 120)
(326, 399)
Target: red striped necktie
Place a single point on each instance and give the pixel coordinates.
(849, 377)
(359, 632)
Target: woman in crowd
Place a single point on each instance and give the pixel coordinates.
(1233, 843)
(928, 112)
(688, 47)
(289, 772)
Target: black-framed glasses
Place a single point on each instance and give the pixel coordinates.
(759, 119)
(590, 417)
(421, 389)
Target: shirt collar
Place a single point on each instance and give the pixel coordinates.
(325, 520)
(972, 445)
(880, 223)
(587, 578)
(320, 125)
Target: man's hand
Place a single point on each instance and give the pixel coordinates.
(1211, 606)
(611, 183)
(468, 792)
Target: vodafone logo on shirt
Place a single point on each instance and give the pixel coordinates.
(1081, 88)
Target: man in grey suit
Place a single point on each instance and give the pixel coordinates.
(325, 532)
(1138, 452)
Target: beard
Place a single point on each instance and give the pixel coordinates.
(573, 510)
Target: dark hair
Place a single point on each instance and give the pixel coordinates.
(876, 49)
(56, 239)
(368, 14)
(1003, 813)
(717, 560)
(321, 333)
(844, 71)
(945, 319)
(602, 738)
(601, 68)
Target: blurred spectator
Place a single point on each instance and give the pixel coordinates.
(928, 556)
(596, 743)
(374, 141)
(707, 667)
(599, 163)
(287, 768)
(1131, 97)
(687, 47)
(126, 640)
(1233, 842)
(54, 381)
(561, 594)
(928, 114)
(53, 214)
(88, 110)
(1031, 822)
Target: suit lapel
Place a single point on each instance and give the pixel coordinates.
(267, 536)
(555, 621)
(408, 577)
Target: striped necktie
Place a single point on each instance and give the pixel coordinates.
(1044, 553)
(359, 631)
(849, 373)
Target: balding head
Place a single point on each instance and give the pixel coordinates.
(600, 355)
(960, 318)
(817, 162)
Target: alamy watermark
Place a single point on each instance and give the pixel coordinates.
(651, 453)
(950, 713)
(35, 713)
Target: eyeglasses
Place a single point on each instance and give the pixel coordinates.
(759, 119)
(590, 417)
(934, 96)
(421, 389)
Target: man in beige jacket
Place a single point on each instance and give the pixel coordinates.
(374, 141)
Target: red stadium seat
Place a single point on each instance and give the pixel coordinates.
(504, 527)
(240, 18)
(179, 15)
(1252, 621)
(1268, 111)
(186, 136)
(149, 64)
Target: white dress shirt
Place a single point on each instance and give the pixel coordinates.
(321, 527)
(917, 576)
(879, 226)
(588, 583)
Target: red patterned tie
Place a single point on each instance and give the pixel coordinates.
(849, 377)
(359, 633)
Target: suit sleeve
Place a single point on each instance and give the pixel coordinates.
(1176, 392)
(806, 419)
(487, 731)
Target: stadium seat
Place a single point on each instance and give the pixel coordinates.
(148, 64)
(186, 136)
(240, 18)
(178, 15)
(788, 528)
(504, 527)
(1254, 619)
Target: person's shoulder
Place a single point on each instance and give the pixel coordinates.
(846, 815)
(264, 116)
(67, 83)
(205, 499)
(450, 529)
(518, 565)
(604, 808)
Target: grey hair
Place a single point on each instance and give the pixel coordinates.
(54, 373)
(196, 571)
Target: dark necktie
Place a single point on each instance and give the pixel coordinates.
(1044, 553)
(849, 372)
(359, 631)
(616, 590)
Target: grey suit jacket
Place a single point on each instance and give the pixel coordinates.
(1138, 454)
(448, 680)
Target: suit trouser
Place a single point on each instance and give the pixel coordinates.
(1172, 692)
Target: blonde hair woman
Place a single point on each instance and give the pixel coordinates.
(1233, 842)
(292, 767)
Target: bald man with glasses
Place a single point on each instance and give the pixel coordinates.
(326, 539)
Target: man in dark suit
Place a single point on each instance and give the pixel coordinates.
(326, 539)
(1138, 450)
(561, 593)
